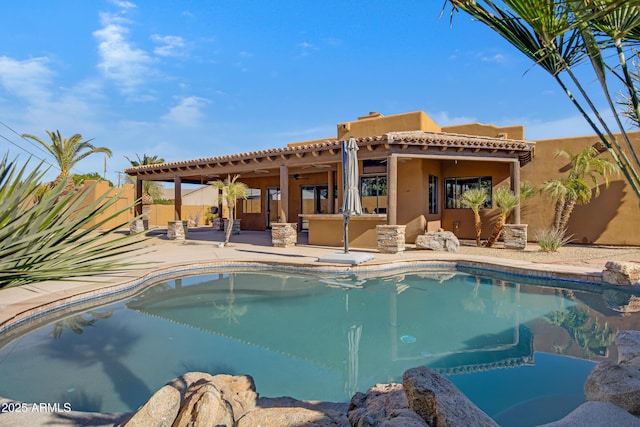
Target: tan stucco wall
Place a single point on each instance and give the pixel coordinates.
(492, 131)
(613, 218)
(125, 195)
(377, 124)
(329, 231)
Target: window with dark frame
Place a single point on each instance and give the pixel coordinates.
(373, 192)
(433, 194)
(252, 204)
(455, 187)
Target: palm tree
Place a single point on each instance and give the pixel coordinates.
(586, 171)
(150, 189)
(67, 151)
(559, 35)
(507, 201)
(473, 199)
(230, 191)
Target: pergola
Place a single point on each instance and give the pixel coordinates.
(297, 159)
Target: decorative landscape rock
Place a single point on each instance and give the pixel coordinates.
(292, 417)
(621, 273)
(628, 343)
(438, 241)
(614, 383)
(439, 402)
(383, 405)
(597, 414)
(197, 397)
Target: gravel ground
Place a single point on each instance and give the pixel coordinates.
(584, 255)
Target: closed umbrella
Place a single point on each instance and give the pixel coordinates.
(351, 204)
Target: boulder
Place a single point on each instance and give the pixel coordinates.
(238, 390)
(292, 417)
(438, 241)
(383, 405)
(621, 300)
(439, 402)
(614, 383)
(159, 411)
(597, 414)
(628, 343)
(621, 273)
(204, 405)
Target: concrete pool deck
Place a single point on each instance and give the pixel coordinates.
(571, 263)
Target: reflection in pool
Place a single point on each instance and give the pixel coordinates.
(325, 338)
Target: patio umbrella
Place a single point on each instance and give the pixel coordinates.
(351, 204)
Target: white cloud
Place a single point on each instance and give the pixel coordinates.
(168, 45)
(123, 4)
(28, 79)
(188, 112)
(121, 62)
(442, 118)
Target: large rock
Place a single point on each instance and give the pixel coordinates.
(439, 402)
(159, 411)
(197, 396)
(614, 383)
(628, 343)
(204, 406)
(438, 241)
(621, 273)
(292, 417)
(383, 405)
(597, 414)
(621, 300)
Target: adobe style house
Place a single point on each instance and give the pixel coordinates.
(412, 172)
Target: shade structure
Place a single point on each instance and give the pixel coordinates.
(351, 204)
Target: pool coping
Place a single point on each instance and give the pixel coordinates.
(18, 317)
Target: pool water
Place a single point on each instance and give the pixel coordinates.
(512, 348)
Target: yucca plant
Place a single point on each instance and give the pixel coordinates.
(53, 235)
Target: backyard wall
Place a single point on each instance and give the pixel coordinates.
(613, 218)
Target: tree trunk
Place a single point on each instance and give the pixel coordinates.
(566, 213)
(227, 231)
(478, 225)
(558, 213)
(497, 231)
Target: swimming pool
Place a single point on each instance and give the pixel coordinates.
(510, 347)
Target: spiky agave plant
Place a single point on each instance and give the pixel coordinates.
(53, 236)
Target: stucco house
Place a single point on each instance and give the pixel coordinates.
(412, 173)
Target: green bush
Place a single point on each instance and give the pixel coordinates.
(550, 240)
(48, 235)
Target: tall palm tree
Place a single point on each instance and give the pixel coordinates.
(507, 201)
(150, 189)
(557, 36)
(230, 191)
(580, 185)
(67, 151)
(473, 199)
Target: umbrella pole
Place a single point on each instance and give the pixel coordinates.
(346, 234)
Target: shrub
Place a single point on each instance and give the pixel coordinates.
(49, 235)
(550, 240)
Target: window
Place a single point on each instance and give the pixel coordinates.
(373, 191)
(454, 187)
(252, 204)
(433, 194)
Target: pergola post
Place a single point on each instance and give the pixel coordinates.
(284, 194)
(330, 200)
(138, 208)
(178, 197)
(392, 191)
(515, 187)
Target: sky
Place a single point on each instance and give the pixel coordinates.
(191, 79)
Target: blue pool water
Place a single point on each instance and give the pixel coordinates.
(511, 348)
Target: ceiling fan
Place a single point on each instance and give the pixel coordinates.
(317, 166)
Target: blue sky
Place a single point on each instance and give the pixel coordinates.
(199, 78)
